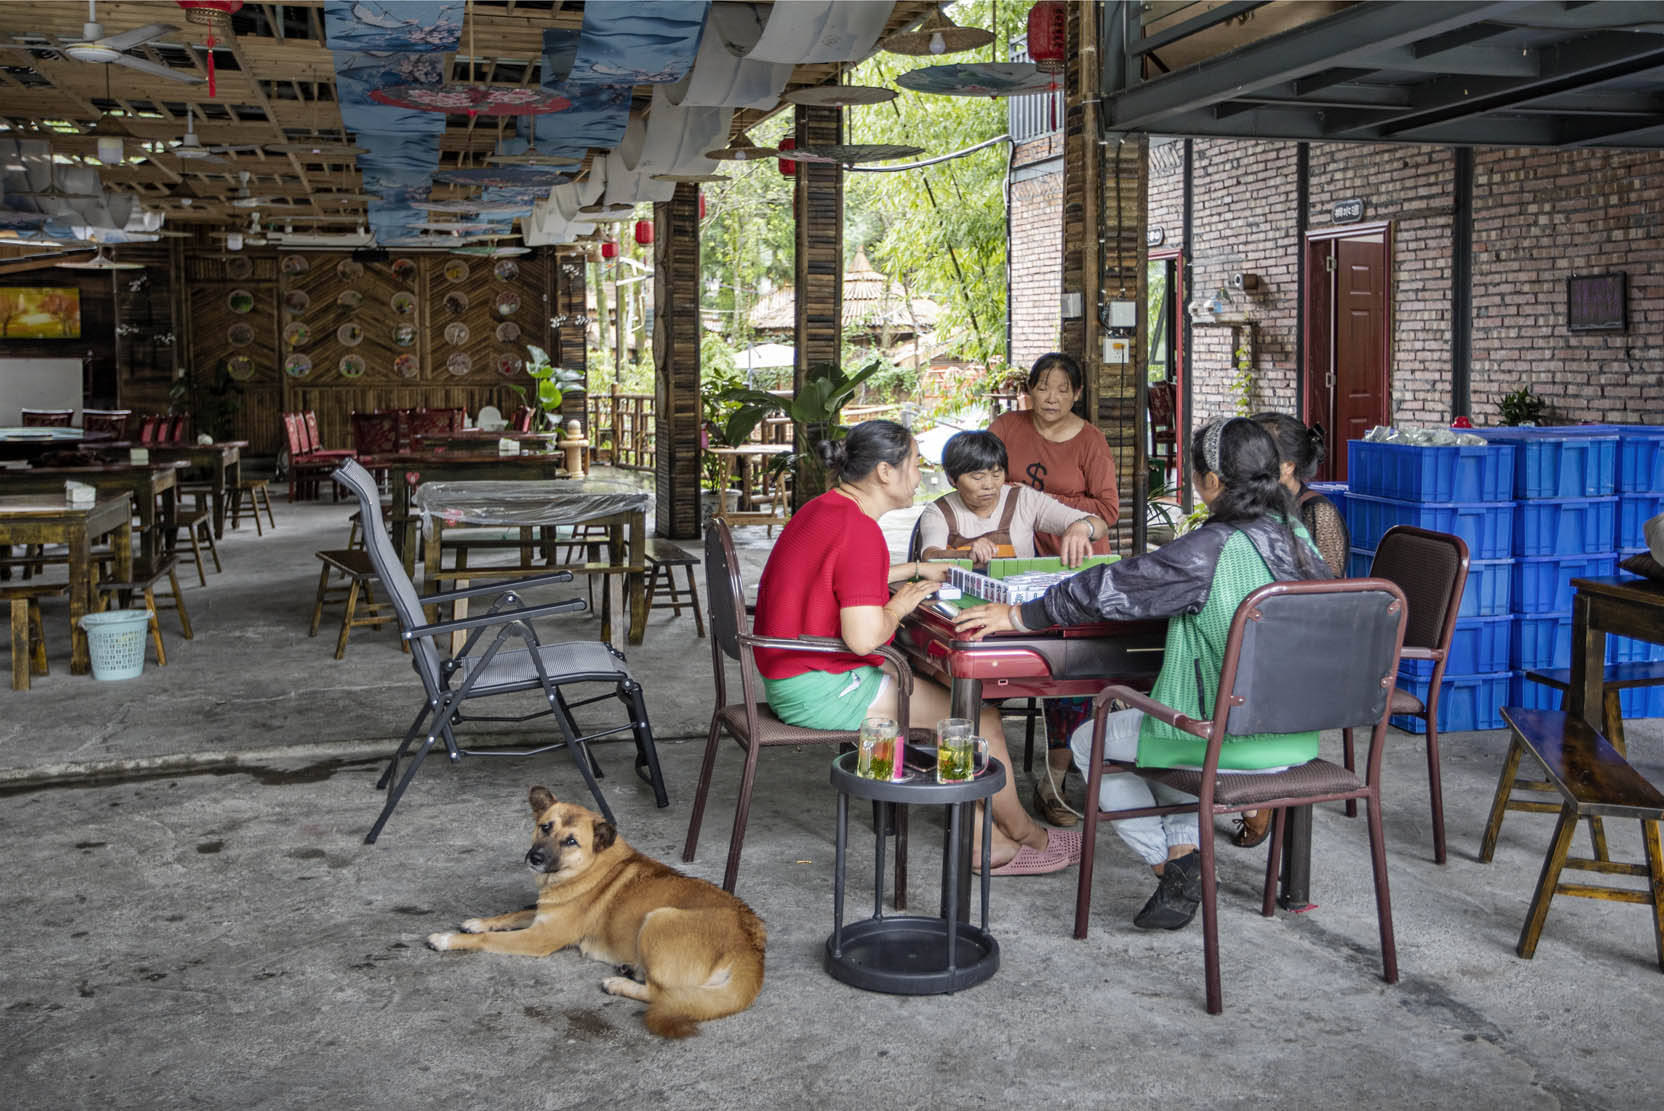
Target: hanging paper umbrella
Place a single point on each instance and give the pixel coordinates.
(850, 153)
(979, 79)
(741, 149)
(840, 96)
(478, 209)
(937, 34)
(504, 177)
(467, 98)
(457, 229)
(693, 179)
(492, 252)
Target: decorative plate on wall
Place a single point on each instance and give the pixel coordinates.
(240, 300)
(349, 298)
(295, 334)
(404, 334)
(506, 270)
(352, 366)
(295, 264)
(508, 331)
(404, 269)
(240, 367)
(403, 302)
(238, 267)
(509, 365)
(459, 364)
(296, 301)
(405, 366)
(350, 334)
(349, 270)
(455, 302)
(297, 366)
(456, 333)
(456, 270)
(507, 304)
(240, 335)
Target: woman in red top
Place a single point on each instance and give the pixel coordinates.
(830, 575)
(1055, 450)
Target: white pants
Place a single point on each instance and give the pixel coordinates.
(1150, 837)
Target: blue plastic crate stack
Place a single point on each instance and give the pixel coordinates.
(1537, 507)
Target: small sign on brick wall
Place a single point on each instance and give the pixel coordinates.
(1155, 237)
(1349, 211)
(1597, 303)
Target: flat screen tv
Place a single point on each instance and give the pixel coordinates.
(40, 312)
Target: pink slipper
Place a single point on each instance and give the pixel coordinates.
(1062, 849)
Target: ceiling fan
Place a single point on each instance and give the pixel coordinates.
(96, 46)
(190, 147)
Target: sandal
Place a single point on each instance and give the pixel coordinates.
(1251, 829)
(1062, 849)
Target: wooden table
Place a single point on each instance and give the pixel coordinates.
(148, 484)
(473, 440)
(410, 469)
(1622, 605)
(48, 519)
(543, 506)
(30, 442)
(222, 459)
(753, 458)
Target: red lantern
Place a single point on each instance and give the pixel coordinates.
(644, 232)
(216, 15)
(787, 166)
(1048, 35)
(702, 206)
(609, 249)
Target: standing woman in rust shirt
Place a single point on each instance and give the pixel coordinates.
(1054, 449)
(1058, 452)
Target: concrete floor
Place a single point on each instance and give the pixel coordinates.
(194, 921)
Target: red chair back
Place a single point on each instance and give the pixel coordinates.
(309, 425)
(375, 433)
(523, 419)
(295, 433)
(177, 429)
(111, 423)
(47, 418)
(148, 427)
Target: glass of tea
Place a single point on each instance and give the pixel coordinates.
(878, 751)
(956, 749)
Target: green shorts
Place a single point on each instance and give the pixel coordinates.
(825, 699)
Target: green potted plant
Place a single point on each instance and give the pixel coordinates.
(213, 400)
(553, 382)
(1522, 407)
(814, 412)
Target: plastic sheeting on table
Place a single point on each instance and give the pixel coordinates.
(557, 502)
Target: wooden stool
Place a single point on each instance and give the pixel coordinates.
(255, 489)
(663, 558)
(198, 524)
(355, 566)
(28, 635)
(1592, 779)
(144, 581)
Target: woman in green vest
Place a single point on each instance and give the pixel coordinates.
(1252, 537)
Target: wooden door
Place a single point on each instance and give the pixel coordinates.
(1348, 376)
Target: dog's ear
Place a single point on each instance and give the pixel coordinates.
(605, 834)
(541, 799)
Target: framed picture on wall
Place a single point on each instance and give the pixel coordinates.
(1597, 303)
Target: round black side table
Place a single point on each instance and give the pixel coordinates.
(905, 954)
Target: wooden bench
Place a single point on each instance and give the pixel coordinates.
(1617, 677)
(663, 558)
(28, 635)
(1593, 780)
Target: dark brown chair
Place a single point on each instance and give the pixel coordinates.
(435, 422)
(749, 720)
(46, 418)
(1342, 637)
(375, 433)
(108, 424)
(1164, 435)
(304, 469)
(1431, 568)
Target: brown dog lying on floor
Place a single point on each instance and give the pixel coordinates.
(698, 949)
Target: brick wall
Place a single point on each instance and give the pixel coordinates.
(1035, 262)
(1540, 217)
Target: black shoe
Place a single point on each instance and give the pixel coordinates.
(1176, 897)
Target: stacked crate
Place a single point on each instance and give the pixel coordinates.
(1467, 490)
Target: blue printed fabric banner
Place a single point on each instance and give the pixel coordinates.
(631, 42)
(359, 75)
(404, 25)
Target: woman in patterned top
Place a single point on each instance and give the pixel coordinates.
(1250, 538)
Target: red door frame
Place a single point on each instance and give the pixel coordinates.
(1319, 326)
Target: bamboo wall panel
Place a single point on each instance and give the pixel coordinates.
(820, 257)
(571, 323)
(311, 306)
(676, 328)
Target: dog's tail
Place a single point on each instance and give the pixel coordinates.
(666, 1023)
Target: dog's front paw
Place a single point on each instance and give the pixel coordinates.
(475, 926)
(618, 985)
(441, 942)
